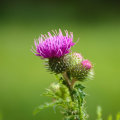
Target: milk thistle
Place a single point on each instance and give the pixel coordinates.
(70, 69)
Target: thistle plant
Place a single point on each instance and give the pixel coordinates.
(70, 69)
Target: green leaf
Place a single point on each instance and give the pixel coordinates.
(46, 105)
(78, 91)
(78, 85)
(39, 108)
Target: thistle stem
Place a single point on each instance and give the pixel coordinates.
(66, 78)
(69, 85)
(73, 81)
(77, 100)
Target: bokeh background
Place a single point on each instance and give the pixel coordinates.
(22, 75)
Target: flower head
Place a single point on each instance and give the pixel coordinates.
(54, 46)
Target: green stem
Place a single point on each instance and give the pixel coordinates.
(78, 100)
(80, 109)
(65, 76)
(68, 83)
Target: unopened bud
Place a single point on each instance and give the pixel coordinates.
(82, 70)
(73, 59)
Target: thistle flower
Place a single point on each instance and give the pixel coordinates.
(54, 46)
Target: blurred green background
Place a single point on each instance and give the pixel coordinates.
(22, 75)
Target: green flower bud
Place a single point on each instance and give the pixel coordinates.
(82, 70)
(73, 59)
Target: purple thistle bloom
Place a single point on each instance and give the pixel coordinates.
(54, 46)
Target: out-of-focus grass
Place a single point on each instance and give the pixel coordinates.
(23, 76)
